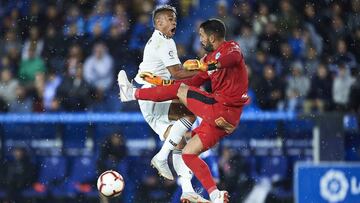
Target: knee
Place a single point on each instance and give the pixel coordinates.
(186, 150)
(182, 92)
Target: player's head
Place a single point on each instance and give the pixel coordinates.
(164, 19)
(211, 32)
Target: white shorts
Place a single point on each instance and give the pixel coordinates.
(156, 115)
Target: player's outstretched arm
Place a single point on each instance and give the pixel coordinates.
(178, 73)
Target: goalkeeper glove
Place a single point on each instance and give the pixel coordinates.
(194, 64)
(155, 80)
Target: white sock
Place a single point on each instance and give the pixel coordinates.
(176, 133)
(186, 184)
(183, 172)
(214, 194)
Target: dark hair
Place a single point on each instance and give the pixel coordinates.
(214, 26)
(162, 8)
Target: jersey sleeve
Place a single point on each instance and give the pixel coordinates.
(168, 53)
(196, 81)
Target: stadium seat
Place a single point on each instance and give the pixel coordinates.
(82, 179)
(74, 138)
(273, 167)
(52, 173)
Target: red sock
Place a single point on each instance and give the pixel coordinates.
(201, 171)
(158, 94)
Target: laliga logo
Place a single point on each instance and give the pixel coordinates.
(334, 186)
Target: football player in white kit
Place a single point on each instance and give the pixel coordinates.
(167, 118)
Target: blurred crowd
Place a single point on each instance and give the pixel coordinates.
(63, 55)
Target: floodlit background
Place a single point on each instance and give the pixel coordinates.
(62, 124)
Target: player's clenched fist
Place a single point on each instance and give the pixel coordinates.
(194, 64)
(155, 80)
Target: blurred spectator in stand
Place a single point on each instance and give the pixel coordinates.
(74, 28)
(247, 41)
(270, 90)
(98, 70)
(341, 87)
(354, 42)
(286, 60)
(53, 16)
(261, 18)
(5, 64)
(297, 87)
(22, 104)
(311, 39)
(100, 20)
(30, 66)
(74, 93)
(140, 33)
(353, 17)
(13, 56)
(118, 36)
(311, 62)
(343, 56)
(297, 42)
(37, 92)
(52, 82)
(54, 49)
(112, 153)
(33, 18)
(118, 47)
(337, 32)
(354, 100)
(120, 20)
(312, 17)
(319, 97)
(288, 19)
(20, 174)
(243, 15)
(11, 21)
(35, 40)
(259, 60)
(75, 56)
(194, 47)
(8, 87)
(224, 15)
(74, 20)
(9, 43)
(235, 173)
(270, 39)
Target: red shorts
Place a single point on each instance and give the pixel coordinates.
(204, 105)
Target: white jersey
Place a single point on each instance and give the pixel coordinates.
(160, 52)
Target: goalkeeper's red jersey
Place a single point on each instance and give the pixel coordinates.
(229, 83)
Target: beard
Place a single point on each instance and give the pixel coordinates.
(208, 47)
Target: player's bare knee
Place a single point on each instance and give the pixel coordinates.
(186, 150)
(182, 144)
(182, 93)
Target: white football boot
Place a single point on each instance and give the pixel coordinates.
(222, 198)
(126, 88)
(162, 167)
(192, 197)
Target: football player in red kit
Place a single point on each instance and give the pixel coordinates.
(220, 110)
